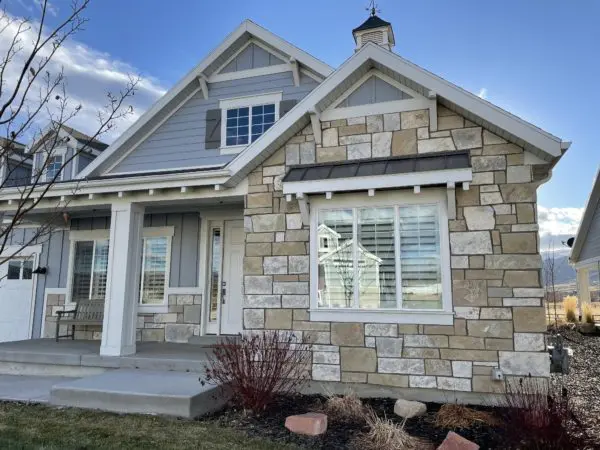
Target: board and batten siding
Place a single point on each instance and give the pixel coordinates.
(184, 246)
(591, 246)
(180, 141)
(185, 258)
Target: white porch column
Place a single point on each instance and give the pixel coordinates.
(583, 285)
(122, 286)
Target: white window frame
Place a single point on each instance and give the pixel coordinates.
(154, 232)
(59, 151)
(243, 102)
(444, 316)
(99, 235)
(79, 236)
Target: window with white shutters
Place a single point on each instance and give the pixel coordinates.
(382, 257)
(90, 265)
(154, 270)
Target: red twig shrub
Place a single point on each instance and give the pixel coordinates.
(258, 368)
(537, 416)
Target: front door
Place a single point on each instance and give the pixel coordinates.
(226, 257)
(16, 299)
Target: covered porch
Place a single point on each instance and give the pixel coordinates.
(163, 263)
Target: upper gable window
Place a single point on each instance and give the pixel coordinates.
(53, 167)
(245, 119)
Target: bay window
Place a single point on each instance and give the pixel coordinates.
(387, 254)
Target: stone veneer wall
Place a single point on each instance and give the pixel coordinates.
(177, 325)
(497, 296)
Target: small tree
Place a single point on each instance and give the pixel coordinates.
(35, 106)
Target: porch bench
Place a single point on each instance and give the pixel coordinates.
(86, 312)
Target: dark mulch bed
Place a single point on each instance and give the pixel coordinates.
(583, 381)
(339, 435)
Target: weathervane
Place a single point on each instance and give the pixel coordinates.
(373, 8)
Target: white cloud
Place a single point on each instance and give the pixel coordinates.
(89, 75)
(482, 93)
(559, 221)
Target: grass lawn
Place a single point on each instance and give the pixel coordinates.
(40, 427)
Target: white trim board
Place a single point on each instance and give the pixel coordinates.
(245, 27)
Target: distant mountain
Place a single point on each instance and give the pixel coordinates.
(563, 272)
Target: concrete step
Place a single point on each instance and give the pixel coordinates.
(208, 340)
(140, 391)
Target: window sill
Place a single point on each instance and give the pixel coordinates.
(383, 316)
(232, 150)
(148, 309)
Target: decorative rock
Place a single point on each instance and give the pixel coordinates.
(391, 122)
(529, 342)
(525, 363)
(381, 329)
(435, 145)
(404, 142)
(374, 124)
(326, 372)
(408, 409)
(359, 151)
(471, 243)
(454, 441)
(401, 365)
(309, 424)
(389, 347)
(488, 163)
(466, 138)
(414, 119)
(479, 217)
(382, 143)
(330, 137)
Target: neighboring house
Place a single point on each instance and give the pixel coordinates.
(21, 289)
(211, 213)
(62, 146)
(15, 164)
(585, 254)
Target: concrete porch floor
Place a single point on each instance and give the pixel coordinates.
(80, 358)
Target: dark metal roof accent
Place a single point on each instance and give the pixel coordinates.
(372, 22)
(379, 166)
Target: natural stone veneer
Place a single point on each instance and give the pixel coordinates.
(178, 324)
(495, 262)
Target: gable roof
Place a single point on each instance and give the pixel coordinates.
(232, 43)
(512, 128)
(586, 221)
(68, 132)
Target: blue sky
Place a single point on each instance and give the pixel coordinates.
(535, 58)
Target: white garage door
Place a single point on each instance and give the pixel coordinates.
(16, 292)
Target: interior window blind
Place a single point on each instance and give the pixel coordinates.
(420, 257)
(154, 266)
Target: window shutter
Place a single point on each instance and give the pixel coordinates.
(213, 129)
(285, 106)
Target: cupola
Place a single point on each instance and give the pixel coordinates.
(375, 30)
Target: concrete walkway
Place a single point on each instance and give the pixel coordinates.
(21, 388)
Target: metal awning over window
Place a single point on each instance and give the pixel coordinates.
(435, 169)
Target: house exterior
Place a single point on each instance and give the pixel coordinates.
(585, 253)
(40, 241)
(376, 208)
